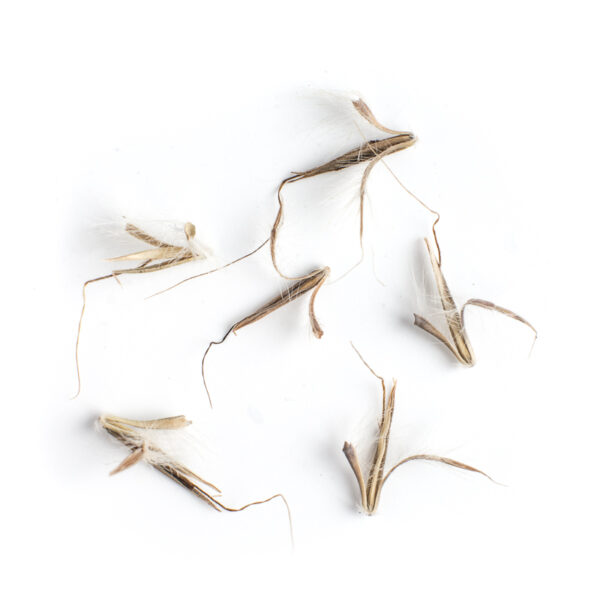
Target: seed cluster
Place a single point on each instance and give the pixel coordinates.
(159, 255)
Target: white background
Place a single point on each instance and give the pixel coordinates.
(195, 112)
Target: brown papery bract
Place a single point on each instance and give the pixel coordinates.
(131, 433)
(370, 490)
(369, 152)
(161, 256)
(460, 345)
(312, 281)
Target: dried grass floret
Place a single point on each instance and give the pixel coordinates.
(162, 255)
(313, 281)
(370, 490)
(460, 345)
(134, 435)
(369, 152)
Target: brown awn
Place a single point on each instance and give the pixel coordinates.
(370, 152)
(370, 490)
(133, 434)
(312, 281)
(161, 255)
(460, 345)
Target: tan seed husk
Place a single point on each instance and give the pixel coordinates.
(161, 256)
(127, 431)
(370, 152)
(370, 490)
(460, 345)
(313, 281)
